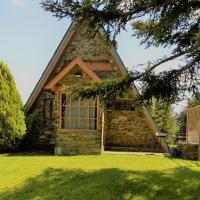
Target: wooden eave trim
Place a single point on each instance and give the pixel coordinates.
(67, 69)
(51, 65)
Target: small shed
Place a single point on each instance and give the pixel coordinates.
(193, 125)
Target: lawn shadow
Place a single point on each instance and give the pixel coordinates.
(109, 184)
(28, 153)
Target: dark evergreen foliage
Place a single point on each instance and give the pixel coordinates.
(163, 115)
(182, 122)
(174, 24)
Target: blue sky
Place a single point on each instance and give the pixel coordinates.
(29, 37)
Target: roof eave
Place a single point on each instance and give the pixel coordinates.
(36, 91)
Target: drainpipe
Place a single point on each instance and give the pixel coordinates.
(103, 128)
(199, 148)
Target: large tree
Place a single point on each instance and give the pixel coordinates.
(164, 118)
(195, 100)
(12, 125)
(166, 23)
(182, 122)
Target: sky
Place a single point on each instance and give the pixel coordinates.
(29, 36)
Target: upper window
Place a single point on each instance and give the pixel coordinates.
(123, 105)
(77, 113)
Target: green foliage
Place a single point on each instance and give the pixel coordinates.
(160, 86)
(182, 122)
(182, 116)
(164, 118)
(107, 90)
(31, 121)
(12, 125)
(174, 24)
(195, 100)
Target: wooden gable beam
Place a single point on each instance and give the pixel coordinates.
(67, 69)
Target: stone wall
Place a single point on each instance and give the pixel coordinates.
(89, 50)
(78, 143)
(188, 150)
(42, 135)
(128, 131)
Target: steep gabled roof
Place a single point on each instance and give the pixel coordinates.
(51, 65)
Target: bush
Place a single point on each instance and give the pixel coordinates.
(12, 119)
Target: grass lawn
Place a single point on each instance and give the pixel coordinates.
(105, 177)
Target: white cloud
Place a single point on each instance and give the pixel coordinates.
(17, 2)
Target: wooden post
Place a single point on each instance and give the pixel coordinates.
(102, 132)
(199, 148)
(187, 124)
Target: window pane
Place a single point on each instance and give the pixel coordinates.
(84, 124)
(65, 123)
(77, 113)
(65, 111)
(65, 99)
(92, 124)
(93, 113)
(74, 101)
(74, 112)
(84, 112)
(74, 123)
(92, 101)
(84, 102)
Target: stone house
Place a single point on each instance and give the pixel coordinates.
(71, 125)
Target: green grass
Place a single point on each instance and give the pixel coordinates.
(106, 177)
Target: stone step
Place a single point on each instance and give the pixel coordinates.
(133, 149)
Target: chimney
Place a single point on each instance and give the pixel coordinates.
(115, 44)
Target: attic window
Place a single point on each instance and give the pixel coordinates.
(78, 74)
(123, 105)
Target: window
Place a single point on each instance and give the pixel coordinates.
(77, 113)
(45, 109)
(123, 105)
(48, 107)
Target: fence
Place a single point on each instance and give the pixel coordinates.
(193, 126)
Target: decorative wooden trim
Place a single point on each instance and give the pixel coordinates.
(98, 113)
(77, 130)
(67, 69)
(60, 110)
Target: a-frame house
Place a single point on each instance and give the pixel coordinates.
(67, 124)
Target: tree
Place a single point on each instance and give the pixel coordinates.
(164, 118)
(174, 24)
(182, 122)
(182, 116)
(195, 100)
(12, 125)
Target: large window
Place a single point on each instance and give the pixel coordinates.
(77, 113)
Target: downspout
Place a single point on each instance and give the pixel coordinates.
(199, 148)
(103, 128)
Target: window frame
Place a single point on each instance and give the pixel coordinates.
(77, 129)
